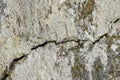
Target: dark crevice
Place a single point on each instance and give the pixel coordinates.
(5, 74)
(116, 20)
(12, 64)
(65, 41)
(8, 72)
(57, 43)
(42, 45)
(96, 41)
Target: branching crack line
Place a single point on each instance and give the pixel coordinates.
(73, 40)
(57, 43)
(7, 72)
(96, 41)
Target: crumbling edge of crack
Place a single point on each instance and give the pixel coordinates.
(7, 73)
(104, 35)
(57, 43)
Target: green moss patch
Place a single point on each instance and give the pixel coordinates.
(87, 9)
(78, 70)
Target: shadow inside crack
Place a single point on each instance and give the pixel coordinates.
(8, 72)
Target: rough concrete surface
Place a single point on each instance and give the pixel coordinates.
(59, 39)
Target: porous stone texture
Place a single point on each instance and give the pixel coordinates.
(59, 39)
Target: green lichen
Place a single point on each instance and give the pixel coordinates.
(113, 37)
(110, 40)
(76, 48)
(84, 27)
(114, 66)
(1, 40)
(113, 59)
(91, 19)
(87, 9)
(117, 37)
(78, 70)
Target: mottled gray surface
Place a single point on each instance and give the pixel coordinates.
(59, 40)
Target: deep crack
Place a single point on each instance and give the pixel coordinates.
(116, 20)
(96, 41)
(5, 74)
(65, 41)
(12, 64)
(57, 43)
(8, 72)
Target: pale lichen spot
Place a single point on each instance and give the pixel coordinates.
(16, 41)
(1, 40)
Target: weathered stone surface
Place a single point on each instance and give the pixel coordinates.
(59, 40)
